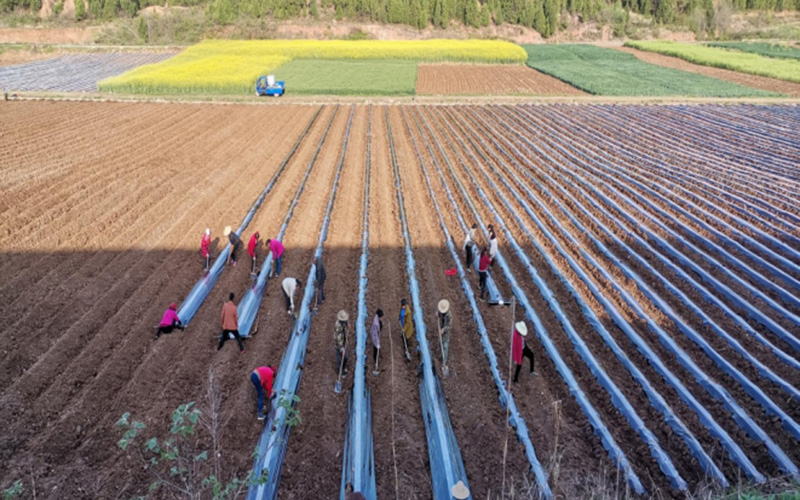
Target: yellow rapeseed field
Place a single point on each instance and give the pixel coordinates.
(232, 66)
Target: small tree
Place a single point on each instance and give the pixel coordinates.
(80, 10)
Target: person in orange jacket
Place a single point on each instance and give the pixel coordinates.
(252, 246)
(230, 323)
(262, 378)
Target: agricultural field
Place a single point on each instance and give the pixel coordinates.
(752, 63)
(232, 67)
(483, 79)
(319, 77)
(652, 251)
(73, 72)
(753, 81)
(779, 50)
(604, 71)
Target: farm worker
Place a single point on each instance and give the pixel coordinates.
(252, 245)
(469, 242)
(492, 244)
(375, 335)
(262, 378)
(320, 276)
(445, 326)
(169, 321)
(205, 243)
(230, 323)
(276, 247)
(406, 321)
(519, 349)
(483, 270)
(289, 286)
(340, 340)
(459, 491)
(236, 243)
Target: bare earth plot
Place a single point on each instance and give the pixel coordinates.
(753, 81)
(72, 72)
(663, 238)
(467, 79)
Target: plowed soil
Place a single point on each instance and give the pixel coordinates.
(753, 81)
(477, 79)
(99, 232)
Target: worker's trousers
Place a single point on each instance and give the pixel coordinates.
(234, 251)
(287, 299)
(445, 347)
(224, 337)
(168, 328)
(339, 361)
(278, 263)
(526, 353)
(468, 249)
(482, 275)
(320, 292)
(260, 391)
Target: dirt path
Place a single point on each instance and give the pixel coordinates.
(753, 81)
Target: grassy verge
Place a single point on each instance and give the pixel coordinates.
(320, 77)
(778, 50)
(232, 67)
(610, 72)
(754, 64)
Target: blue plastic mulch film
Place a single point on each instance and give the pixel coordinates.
(714, 389)
(191, 304)
(358, 459)
(447, 467)
(506, 398)
(272, 444)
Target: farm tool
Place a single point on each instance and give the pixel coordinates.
(445, 370)
(405, 341)
(337, 388)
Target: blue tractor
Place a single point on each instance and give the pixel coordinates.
(266, 85)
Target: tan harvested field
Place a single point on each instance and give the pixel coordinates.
(99, 232)
(753, 81)
(482, 79)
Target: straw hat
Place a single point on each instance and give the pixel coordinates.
(460, 491)
(227, 230)
(522, 328)
(444, 306)
(342, 316)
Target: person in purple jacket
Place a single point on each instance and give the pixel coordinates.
(169, 321)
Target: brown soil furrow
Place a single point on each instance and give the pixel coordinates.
(496, 79)
(753, 81)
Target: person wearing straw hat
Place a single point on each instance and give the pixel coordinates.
(205, 244)
(340, 340)
(169, 321)
(520, 350)
(236, 243)
(459, 491)
(445, 327)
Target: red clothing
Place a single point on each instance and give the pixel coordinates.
(266, 375)
(251, 246)
(517, 346)
(168, 318)
(204, 244)
(483, 265)
(230, 316)
(277, 248)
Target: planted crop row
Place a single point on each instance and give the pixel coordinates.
(603, 71)
(232, 67)
(754, 64)
(779, 50)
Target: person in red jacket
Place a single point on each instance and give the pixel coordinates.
(262, 378)
(252, 246)
(519, 349)
(230, 323)
(205, 243)
(483, 269)
(169, 321)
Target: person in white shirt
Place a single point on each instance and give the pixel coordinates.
(492, 244)
(469, 243)
(290, 285)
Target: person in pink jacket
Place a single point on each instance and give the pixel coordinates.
(169, 321)
(276, 247)
(205, 243)
(519, 349)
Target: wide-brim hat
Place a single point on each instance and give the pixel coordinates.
(342, 316)
(444, 306)
(522, 328)
(227, 230)
(460, 491)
